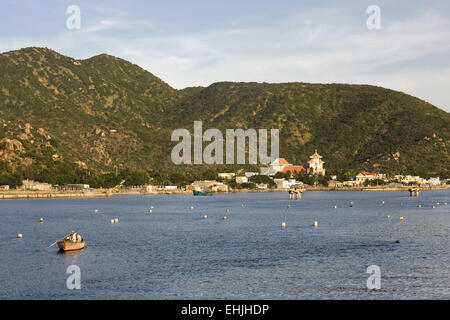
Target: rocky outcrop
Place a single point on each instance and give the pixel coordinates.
(11, 145)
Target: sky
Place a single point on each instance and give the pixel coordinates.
(199, 42)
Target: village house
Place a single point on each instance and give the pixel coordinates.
(281, 165)
(251, 174)
(364, 176)
(219, 187)
(4, 187)
(316, 164)
(350, 183)
(412, 179)
(75, 187)
(170, 188)
(241, 179)
(434, 181)
(335, 184)
(407, 179)
(35, 185)
(209, 185)
(227, 176)
(293, 169)
(150, 188)
(262, 186)
(285, 184)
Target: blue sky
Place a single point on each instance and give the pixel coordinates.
(198, 42)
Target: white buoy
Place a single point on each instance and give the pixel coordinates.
(432, 207)
(401, 218)
(283, 224)
(116, 220)
(112, 221)
(19, 236)
(205, 216)
(41, 220)
(335, 206)
(315, 224)
(151, 207)
(225, 218)
(150, 210)
(191, 207)
(445, 203)
(96, 210)
(228, 210)
(388, 216)
(420, 206)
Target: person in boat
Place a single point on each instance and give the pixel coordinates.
(74, 237)
(69, 236)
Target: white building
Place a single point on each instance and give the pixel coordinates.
(75, 187)
(241, 179)
(251, 174)
(209, 185)
(409, 179)
(434, 181)
(262, 186)
(225, 175)
(316, 164)
(34, 185)
(285, 184)
(364, 176)
(150, 188)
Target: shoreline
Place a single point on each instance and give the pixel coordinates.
(96, 193)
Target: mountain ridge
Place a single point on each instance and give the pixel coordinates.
(108, 113)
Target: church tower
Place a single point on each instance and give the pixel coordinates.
(316, 164)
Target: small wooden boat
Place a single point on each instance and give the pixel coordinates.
(202, 193)
(67, 245)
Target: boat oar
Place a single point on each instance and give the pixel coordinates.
(55, 243)
(52, 244)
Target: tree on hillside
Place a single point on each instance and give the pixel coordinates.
(137, 178)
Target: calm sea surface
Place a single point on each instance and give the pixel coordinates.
(173, 253)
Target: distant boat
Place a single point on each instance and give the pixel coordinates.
(202, 193)
(67, 245)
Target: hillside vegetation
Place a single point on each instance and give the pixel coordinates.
(63, 119)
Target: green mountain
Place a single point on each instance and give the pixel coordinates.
(104, 114)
